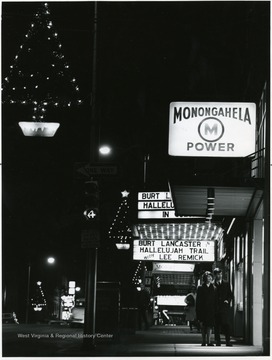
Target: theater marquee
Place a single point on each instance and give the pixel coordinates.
(212, 129)
(173, 250)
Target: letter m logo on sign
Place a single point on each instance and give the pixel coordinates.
(211, 130)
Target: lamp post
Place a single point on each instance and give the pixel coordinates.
(28, 292)
(92, 252)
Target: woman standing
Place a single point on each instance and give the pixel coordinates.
(205, 307)
(190, 300)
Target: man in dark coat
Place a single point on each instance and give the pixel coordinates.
(143, 301)
(224, 297)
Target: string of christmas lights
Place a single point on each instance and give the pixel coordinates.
(120, 230)
(40, 75)
(138, 275)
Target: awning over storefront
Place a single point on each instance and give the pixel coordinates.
(228, 201)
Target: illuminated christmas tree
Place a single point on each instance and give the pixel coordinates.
(120, 230)
(40, 76)
(38, 302)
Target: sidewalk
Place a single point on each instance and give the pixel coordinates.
(163, 342)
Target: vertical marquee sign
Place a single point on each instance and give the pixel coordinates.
(155, 205)
(212, 129)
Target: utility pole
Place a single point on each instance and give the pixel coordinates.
(92, 252)
(28, 292)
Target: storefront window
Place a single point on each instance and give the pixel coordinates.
(240, 287)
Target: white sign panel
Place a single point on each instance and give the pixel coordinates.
(173, 250)
(212, 129)
(172, 267)
(171, 300)
(162, 214)
(154, 196)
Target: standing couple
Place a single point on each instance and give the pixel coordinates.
(212, 307)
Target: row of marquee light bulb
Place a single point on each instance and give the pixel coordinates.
(180, 232)
(47, 77)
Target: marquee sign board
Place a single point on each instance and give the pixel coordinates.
(172, 267)
(157, 205)
(212, 129)
(174, 250)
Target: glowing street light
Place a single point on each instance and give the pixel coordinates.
(105, 150)
(51, 260)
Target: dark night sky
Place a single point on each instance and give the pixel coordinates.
(148, 54)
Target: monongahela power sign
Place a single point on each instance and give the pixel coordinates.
(212, 129)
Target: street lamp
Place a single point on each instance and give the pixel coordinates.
(50, 260)
(122, 236)
(105, 150)
(92, 252)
